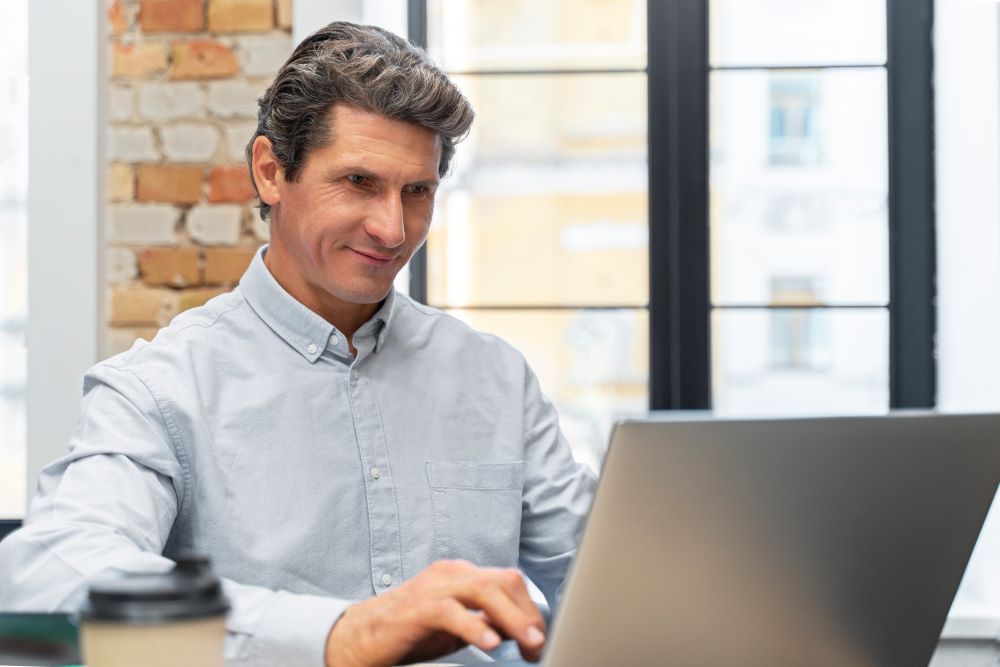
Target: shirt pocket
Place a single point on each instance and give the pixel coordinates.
(477, 511)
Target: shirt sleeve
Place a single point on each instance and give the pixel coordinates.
(110, 504)
(557, 495)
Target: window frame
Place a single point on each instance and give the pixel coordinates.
(680, 307)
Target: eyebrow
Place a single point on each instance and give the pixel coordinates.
(361, 171)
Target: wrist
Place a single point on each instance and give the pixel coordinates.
(338, 652)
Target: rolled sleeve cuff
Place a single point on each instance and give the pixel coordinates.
(294, 630)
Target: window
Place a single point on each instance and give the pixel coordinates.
(541, 232)
(13, 252)
(799, 184)
(764, 277)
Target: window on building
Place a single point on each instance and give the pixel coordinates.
(13, 252)
(794, 132)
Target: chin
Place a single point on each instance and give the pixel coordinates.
(361, 295)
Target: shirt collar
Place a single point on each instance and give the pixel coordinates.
(300, 327)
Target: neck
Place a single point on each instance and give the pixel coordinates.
(347, 317)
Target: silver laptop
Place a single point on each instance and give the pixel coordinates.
(833, 541)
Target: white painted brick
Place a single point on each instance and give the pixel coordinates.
(121, 103)
(215, 224)
(143, 224)
(237, 137)
(263, 55)
(122, 265)
(190, 142)
(171, 101)
(261, 229)
(233, 99)
(132, 144)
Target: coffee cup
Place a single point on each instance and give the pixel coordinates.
(155, 620)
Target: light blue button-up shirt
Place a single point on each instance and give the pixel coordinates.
(247, 430)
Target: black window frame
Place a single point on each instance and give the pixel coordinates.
(680, 308)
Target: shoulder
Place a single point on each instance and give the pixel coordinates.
(205, 330)
(423, 325)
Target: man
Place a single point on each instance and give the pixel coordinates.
(364, 471)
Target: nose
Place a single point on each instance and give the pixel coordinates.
(385, 221)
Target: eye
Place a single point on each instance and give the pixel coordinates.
(357, 179)
(417, 189)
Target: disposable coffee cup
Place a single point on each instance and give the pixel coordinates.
(155, 620)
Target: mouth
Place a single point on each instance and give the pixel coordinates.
(373, 259)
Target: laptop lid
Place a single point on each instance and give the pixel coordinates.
(830, 541)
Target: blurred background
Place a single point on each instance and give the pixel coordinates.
(758, 207)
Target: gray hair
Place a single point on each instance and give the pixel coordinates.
(365, 66)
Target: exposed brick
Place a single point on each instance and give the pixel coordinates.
(202, 59)
(121, 265)
(240, 15)
(237, 137)
(171, 101)
(121, 103)
(143, 224)
(214, 225)
(132, 144)
(142, 307)
(225, 266)
(117, 21)
(231, 99)
(137, 61)
(263, 55)
(285, 14)
(194, 298)
(177, 267)
(121, 182)
(172, 15)
(190, 142)
(230, 184)
(169, 183)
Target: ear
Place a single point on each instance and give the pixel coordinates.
(268, 174)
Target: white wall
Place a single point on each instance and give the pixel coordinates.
(311, 15)
(65, 207)
(967, 91)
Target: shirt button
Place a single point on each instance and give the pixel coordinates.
(311, 349)
(376, 473)
(355, 374)
(386, 580)
(334, 340)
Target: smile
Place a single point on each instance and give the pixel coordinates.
(374, 260)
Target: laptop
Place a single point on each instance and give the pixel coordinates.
(823, 541)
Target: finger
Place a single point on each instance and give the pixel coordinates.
(487, 593)
(448, 615)
(513, 582)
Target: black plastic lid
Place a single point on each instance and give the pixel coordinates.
(190, 590)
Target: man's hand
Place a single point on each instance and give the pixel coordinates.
(449, 605)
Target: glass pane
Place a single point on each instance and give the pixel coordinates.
(474, 35)
(799, 187)
(546, 204)
(796, 361)
(593, 364)
(13, 252)
(796, 32)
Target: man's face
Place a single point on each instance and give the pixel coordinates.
(359, 210)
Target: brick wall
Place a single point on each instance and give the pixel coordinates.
(185, 76)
